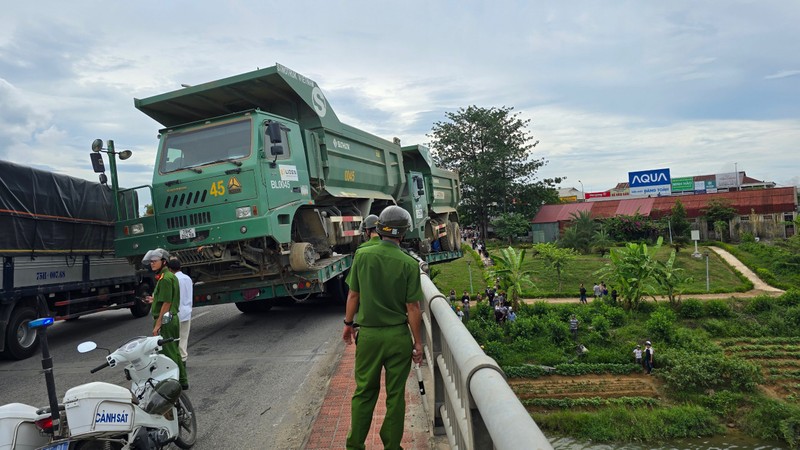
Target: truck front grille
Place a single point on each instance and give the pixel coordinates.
(185, 198)
(189, 220)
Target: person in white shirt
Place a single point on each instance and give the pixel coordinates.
(185, 310)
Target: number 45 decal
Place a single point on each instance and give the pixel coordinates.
(217, 188)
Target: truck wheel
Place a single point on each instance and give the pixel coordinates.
(301, 256)
(337, 288)
(457, 236)
(447, 241)
(254, 306)
(141, 308)
(21, 341)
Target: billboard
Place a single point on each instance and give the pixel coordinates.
(683, 184)
(650, 182)
(728, 180)
(591, 195)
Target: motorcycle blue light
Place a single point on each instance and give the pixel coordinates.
(39, 323)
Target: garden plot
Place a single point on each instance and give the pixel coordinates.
(585, 391)
(779, 359)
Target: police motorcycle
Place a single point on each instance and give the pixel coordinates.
(152, 414)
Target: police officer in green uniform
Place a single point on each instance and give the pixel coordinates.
(166, 297)
(384, 297)
(371, 236)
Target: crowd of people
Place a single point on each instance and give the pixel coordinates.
(600, 291)
(503, 311)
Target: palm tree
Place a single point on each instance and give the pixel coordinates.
(508, 267)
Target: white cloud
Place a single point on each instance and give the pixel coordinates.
(609, 88)
(782, 74)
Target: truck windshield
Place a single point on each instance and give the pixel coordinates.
(224, 142)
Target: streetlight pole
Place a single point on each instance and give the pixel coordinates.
(97, 147)
(708, 285)
(583, 194)
(469, 268)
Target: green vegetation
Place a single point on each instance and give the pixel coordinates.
(777, 263)
(711, 357)
(623, 424)
(582, 269)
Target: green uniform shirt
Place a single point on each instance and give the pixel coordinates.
(386, 278)
(372, 241)
(167, 291)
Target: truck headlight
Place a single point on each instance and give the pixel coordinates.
(137, 228)
(244, 212)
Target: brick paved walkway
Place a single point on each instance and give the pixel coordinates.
(330, 428)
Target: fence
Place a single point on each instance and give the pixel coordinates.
(473, 403)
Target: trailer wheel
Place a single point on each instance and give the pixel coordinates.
(21, 341)
(337, 288)
(141, 308)
(301, 256)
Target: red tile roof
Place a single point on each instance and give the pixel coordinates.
(760, 201)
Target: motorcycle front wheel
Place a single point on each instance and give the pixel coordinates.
(187, 423)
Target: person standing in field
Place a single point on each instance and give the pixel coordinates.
(583, 293)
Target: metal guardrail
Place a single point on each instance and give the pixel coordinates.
(473, 403)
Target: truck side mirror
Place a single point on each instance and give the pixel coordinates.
(97, 162)
(276, 150)
(420, 190)
(274, 132)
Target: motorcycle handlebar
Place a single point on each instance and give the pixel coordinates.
(161, 342)
(100, 367)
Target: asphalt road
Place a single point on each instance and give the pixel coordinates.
(256, 381)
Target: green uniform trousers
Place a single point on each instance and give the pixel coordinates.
(388, 348)
(171, 350)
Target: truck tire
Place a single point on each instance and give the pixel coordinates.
(447, 241)
(21, 341)
(337, 288)
(254, 306)
(141, 308)
(301, 256)
(457, 236)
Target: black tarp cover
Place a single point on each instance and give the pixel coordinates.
(45, 213)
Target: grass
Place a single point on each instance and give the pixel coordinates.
(456, 275)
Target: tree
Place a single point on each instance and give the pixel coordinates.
(510, 225)
(718, 215)
(601, 241)
(509, 268)
(491, 149)
(555, 259)
(633, 269)
(581, 233)
(680, 225)
(670, 278)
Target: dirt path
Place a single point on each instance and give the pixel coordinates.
(759, 287)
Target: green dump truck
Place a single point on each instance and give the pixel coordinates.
(260, 190)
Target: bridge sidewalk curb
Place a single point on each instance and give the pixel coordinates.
(330, 427)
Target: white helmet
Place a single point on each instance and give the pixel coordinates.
(156, 253)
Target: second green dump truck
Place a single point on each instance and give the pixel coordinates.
(260, 190)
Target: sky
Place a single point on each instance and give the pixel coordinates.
(609, 87)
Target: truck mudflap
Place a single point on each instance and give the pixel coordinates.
(298, 286)
(438, 257)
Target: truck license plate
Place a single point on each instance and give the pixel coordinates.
(187, 233)
(60, 446)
